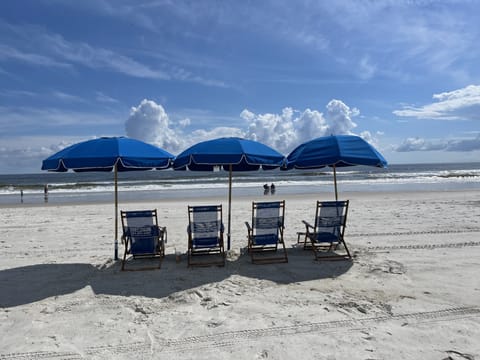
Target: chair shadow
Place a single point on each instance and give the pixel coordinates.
(28, 284)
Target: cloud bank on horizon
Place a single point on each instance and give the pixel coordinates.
(150, 122)
(284, 131)
(456, 105)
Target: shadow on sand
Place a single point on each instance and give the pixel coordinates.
(24, 285)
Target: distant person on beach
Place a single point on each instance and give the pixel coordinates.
(21, 195)
(266, 189)
(45, 192)
(272, 188)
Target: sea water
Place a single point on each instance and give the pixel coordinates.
(170, 184)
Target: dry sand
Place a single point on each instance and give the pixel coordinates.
(411, 292)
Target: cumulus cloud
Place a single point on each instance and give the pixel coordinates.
(290, 128)
(457, 145)
(460, 104)
(273, 129)
(339, 116)
(150, 122)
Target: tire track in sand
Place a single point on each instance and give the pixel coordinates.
(230, 338)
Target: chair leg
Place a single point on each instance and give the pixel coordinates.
(162, 250)
(346, 249)
(124, 258)
(285, 251)
(317, 249)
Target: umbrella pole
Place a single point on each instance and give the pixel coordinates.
(229, 204)
(116, 212)
(335, 181)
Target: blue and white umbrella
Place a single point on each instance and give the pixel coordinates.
(334, 151)
(232, 154)
(107, 154)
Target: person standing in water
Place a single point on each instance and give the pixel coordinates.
(266, 189)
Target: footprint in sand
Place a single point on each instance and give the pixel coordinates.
(389, 267)
(262, 355)
(456, 355)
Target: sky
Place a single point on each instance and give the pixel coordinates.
(404, 75)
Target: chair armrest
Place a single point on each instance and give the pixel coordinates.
(308, 226)
(124, 238)
(163, 233)
(249, 228)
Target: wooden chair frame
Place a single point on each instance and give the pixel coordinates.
(205, 236)
(266, 232)
(145, 240)
(329, 230)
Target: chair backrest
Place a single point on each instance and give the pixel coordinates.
(268, 217)
(205, 225)
(331, 217)
(141, 229)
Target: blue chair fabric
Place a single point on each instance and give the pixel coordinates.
(327, 235)
(142, 236)
(205, 235)
(265, 233)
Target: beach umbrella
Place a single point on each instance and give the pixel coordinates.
(107, 154)
(232, 154)
(334, 151)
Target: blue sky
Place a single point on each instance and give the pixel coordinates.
(405, 75)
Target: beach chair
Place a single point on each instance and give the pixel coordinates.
(205, 236)
(326, 237)
(142, 237)
(265, 235)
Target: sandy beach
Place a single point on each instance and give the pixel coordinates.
(412, 290)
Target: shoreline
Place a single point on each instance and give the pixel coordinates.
(326, 196)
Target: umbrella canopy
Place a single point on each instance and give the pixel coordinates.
(107, 154)
(103, 154)
(240, 154)
(231, 153)
(334, 151)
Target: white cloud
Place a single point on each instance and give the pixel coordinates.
(97, 58)
(36, 46)
(184, 122)
(464, 145)
(150, 123)
(25, 153)
(101, 97)
(366, 70)
(275, 130)
(8, 52)
(222, 131)
(290, 128)
(339, 116)
(67, 97)
(461, 104)
(456, 145)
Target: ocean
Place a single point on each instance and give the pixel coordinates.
(170, 184)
